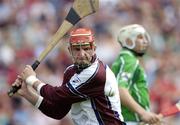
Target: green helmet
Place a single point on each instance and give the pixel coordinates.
(134, 37)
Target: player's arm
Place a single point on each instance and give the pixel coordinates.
(128, 101)
(29, 77)
(56, 107)
(53, 110)
(27, 92)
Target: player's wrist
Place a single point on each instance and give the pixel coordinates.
(30, 80)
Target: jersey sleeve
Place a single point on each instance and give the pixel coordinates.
(54, 110)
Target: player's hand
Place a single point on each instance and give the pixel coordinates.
(158, 123)
(19, 82)
(28, 71)
(151, 118)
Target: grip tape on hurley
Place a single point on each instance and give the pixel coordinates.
(73, 17)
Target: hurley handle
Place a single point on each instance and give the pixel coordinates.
(14, 89)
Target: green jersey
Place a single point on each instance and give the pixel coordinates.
(131, 75)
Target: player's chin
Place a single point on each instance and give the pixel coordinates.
(83, 63)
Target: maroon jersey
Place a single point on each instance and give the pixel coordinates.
(91, 95)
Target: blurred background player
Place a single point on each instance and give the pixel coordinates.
(131, 76)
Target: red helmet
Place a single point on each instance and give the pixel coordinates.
(82, 36)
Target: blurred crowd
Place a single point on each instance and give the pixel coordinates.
(26, 27)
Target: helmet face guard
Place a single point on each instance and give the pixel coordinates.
(135, 38)
(81, 38)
